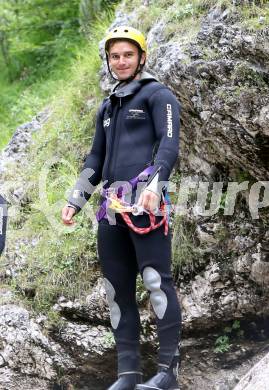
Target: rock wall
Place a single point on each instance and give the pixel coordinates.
(31, 355)
(257, 378)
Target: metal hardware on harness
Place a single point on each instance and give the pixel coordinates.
(124, 209)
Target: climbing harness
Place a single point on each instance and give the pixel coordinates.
(124, 209)
(115, 201)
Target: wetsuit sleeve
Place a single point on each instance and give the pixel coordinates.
(165, 112)
(91, 172)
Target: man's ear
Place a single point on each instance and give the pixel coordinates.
(143, 58)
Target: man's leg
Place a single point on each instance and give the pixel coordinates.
(153, 252)
(119, 267)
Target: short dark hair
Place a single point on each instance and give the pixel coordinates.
(114, 40)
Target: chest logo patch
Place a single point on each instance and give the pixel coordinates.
(136, 114)
(106, 122)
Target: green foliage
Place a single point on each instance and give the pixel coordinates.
(244, 75)
(182, 18)
(91, 10)
(224, 343)
(59, 261)
(235, 326)
(57, 266)
(184, 245)
(39, 40)
(255, 14)
(108, 339)
(184, 11)
(54, 320)
(222, 233)
(35, 33)
(141, 292)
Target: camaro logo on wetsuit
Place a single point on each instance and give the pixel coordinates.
(169, 121)
(106, 122)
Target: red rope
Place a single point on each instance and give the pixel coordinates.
(152, 219)
(120, 204)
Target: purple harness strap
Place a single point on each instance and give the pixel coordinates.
(121, 191)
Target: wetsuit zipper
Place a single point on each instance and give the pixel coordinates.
(111, 146)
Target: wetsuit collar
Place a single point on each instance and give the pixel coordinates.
(132, 87)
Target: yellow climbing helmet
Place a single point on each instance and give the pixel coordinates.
(126, 32)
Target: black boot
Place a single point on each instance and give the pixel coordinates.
(126, 381)
(165, 379)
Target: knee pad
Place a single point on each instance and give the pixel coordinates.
(115, 313)
(152, 281)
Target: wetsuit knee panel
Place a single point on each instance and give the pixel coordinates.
(152, 280)
(110, 291)
(115, 313)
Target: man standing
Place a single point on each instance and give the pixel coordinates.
(137, 136)
(3, 223)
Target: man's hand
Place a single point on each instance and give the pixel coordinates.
(149, 200)
(67, 214)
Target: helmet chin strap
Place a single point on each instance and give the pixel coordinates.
(139, 69)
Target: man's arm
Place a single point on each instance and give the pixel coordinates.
(165, 112)
(91, 172)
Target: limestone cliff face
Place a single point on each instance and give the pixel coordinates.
(257, 377)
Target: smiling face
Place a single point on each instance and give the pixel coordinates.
(123, 59)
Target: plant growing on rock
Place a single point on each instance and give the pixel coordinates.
(108, 339)
(223, 342)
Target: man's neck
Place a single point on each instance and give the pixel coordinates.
(138, 76)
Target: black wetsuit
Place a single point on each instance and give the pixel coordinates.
(130, 123)
(123, 253)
